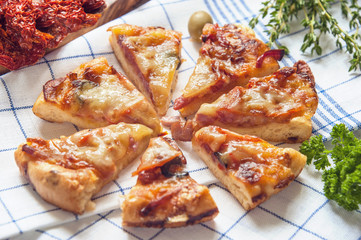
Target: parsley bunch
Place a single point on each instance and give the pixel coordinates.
(342, 179)
(318, 20)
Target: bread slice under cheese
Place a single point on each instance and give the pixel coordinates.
(165, 195)
(68, 171)
(227, 59)
(95, 95)
(150, 57)
(276, 108)
(250, 168)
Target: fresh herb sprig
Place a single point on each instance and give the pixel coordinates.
(342, 178)
(319, 22)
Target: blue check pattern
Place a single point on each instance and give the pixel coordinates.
(299, 212)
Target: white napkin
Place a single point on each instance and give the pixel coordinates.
(299, 212)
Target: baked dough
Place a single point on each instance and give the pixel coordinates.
(68, 171)
(95, 95)
(227, 59)
(165, 195)
(250, 168)
(150, 57)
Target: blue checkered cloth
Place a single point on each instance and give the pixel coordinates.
(301, 211)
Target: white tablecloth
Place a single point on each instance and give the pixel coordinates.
(299, 212)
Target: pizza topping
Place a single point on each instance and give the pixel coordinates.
(31, 27)
(277, 54)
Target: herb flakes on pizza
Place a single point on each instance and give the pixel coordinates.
(95, 95)
(165, 195)
(251, 169)
(150, 57)
(227, 58)
(68, 171)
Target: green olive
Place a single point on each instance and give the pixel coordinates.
(196, 23)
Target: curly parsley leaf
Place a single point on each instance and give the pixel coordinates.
(342, 178)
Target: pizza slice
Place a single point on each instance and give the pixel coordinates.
(68, 171)
(276, 108)
(251, 169)
(227, 58)
(165, 195)
(95, 95)
(150, 57)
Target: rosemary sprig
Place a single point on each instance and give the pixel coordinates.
(319, 22)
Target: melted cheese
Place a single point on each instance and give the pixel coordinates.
(202, 78)
(272, 102)
(260, 104)
(101, 148)
(108, 100)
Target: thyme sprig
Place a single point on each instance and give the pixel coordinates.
(318, 20)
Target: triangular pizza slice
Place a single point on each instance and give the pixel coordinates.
(68, 171)
(229, 57)
(165, 195)
(95, 95)
(150, 57)
(251, 169)
(276, 108)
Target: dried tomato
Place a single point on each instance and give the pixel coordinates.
(29, 28)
